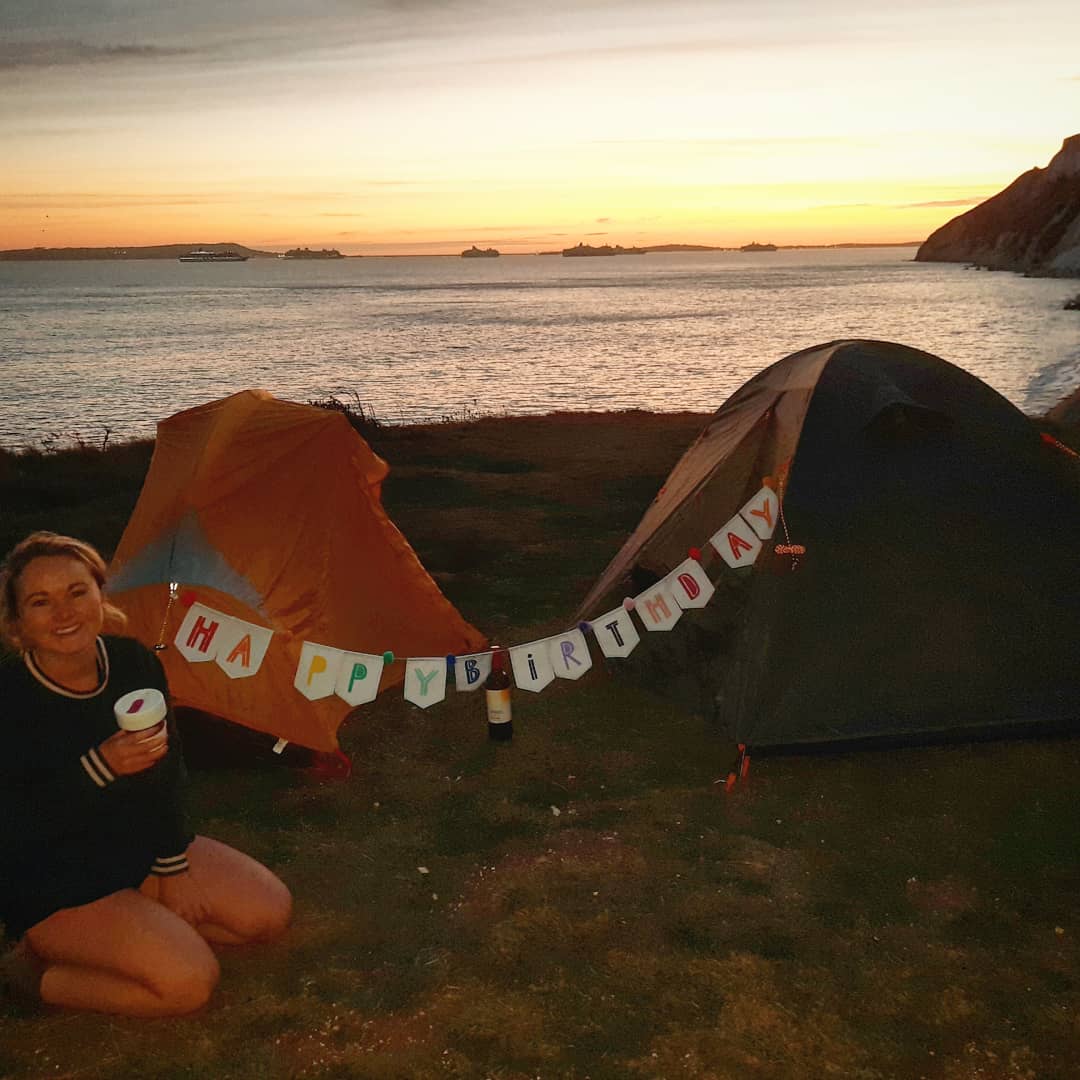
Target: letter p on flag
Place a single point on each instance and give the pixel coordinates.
(317, 670)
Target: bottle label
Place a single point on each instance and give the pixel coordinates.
(498, 706)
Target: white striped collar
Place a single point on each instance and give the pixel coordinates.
(58, 688)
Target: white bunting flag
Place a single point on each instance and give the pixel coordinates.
(241, 648)
(317, 670)
(198, 638)
(532, 666)
(616, 633)
(358, 677)
(690, 585)
(569, 654)
(425, 680)
(736, 543)
(657, 607)
(470, 672)
(762, 512)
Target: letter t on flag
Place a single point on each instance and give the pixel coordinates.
(616, 633)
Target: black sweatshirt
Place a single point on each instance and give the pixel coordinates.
(70, 831)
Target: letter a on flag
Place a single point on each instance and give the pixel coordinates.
(736, 543)
(242, 647)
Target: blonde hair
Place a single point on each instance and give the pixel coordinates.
(38, 545)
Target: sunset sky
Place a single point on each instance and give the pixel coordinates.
(429, 125)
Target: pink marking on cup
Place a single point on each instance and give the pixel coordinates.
(135, 706)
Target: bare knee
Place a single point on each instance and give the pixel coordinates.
(274, 914)
(186, 985)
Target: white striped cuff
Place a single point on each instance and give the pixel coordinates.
(96, 769)
(167, 865)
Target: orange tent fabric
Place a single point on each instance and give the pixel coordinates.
(271, 512)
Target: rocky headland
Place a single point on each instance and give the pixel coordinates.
(1032, 227)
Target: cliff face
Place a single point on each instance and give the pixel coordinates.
(1033, 226)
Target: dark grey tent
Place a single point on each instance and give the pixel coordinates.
(940, 589)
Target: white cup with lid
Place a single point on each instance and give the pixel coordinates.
(141, 709)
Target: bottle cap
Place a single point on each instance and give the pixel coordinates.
(141, 709)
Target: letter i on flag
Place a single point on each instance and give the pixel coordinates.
(532, 665)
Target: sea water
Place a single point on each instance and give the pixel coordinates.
(104, 350)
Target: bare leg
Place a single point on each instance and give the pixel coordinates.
(123, 954)
(248, 903)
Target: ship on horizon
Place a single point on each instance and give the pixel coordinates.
(307, 253)
(202, 255)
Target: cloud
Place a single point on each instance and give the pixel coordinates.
(54, 54)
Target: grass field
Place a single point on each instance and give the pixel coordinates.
(588, 901)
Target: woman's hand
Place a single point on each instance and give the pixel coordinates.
(184, 896)
(129, 752)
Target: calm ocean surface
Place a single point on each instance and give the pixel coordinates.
(90, 346)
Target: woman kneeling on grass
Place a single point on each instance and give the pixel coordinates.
(110, 897)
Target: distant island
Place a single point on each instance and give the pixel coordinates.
(758, 247)
(603, 249)
(307, 253)
(160, 251)
(479, 253)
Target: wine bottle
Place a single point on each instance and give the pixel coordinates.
(497, 694)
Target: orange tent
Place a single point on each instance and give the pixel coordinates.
(270, 512)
